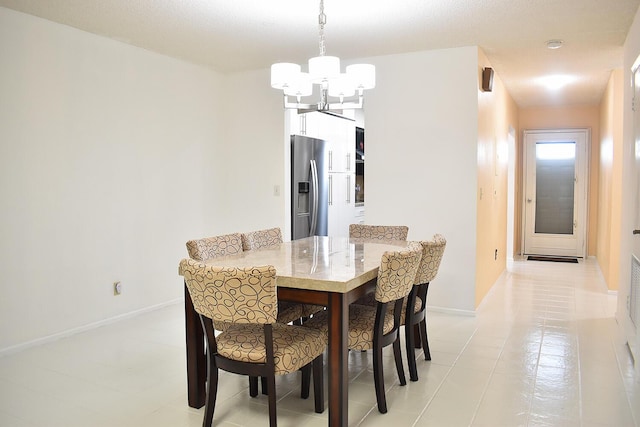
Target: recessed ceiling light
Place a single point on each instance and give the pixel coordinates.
(554, 44)
(555, 82)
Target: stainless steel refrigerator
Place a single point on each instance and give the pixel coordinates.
(309, 187)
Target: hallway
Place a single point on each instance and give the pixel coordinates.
(542, 350)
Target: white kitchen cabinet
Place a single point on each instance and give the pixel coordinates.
(341, 203)
(340, 134)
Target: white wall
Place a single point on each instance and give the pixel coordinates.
(111, 157)
(421, 158)
(255, 153)
(108, 163)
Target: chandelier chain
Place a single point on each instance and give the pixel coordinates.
(322, 20)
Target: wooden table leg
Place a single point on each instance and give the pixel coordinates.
(338, 360)
(196, 360)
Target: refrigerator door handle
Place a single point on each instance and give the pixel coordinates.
(314, 211)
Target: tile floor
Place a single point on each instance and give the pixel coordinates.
(543, 350)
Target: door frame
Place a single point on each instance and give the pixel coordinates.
(584, 215)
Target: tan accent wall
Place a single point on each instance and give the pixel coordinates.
(559, 118)
(496, 113)
(610, 182)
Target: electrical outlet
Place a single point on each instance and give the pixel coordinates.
(117, 288)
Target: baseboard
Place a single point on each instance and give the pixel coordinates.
(455, 311)
(70, 332)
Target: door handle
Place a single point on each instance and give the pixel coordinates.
(529, 200)
(636, 231)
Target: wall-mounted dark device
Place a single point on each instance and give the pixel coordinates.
(487, 79)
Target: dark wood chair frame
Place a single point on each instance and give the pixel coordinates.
(416, 327)
(254, 370)
(381, 340)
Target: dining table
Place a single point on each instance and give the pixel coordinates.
(322, 270)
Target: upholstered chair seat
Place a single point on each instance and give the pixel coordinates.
(360, 330)
(291, 345)
(289, 311)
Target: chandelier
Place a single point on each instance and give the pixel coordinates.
(338, 90)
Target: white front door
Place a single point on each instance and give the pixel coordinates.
(555, 192)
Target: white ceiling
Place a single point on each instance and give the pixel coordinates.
(235, 35)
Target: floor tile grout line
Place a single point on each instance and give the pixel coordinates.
(486, 386)
(426, 406)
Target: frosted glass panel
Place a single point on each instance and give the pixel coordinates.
(555, 175)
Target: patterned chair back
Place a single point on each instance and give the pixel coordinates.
(212, 247)
(432, 252)
(380, 232)
(397, 273)
(230, 294)
(261, 239)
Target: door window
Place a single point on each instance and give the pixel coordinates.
(555, 177)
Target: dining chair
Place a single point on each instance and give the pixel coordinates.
(269, 238)
(261, 239)
(376, 232)
(380, 232)
(373, 328)
(216, 246)
(415, 321)
(254, 343)
(212, 247)
(232, 244)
